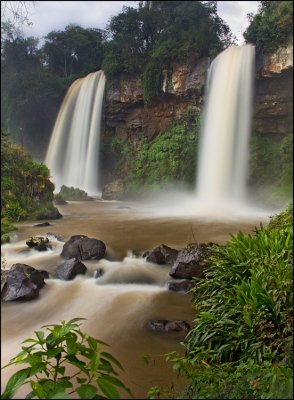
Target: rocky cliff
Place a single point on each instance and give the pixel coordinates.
(183, 87)
(273, 106)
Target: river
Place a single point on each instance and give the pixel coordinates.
(131, 292)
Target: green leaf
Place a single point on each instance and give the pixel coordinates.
(37, 368)
(15, 382)
(71, 345)
(94, 363)
(112, 359)
(107, 388)
(39, 390)
(40, 336)
(76, 319)
(59, 395)
(81, 380)
(54, 352)
(86, 391)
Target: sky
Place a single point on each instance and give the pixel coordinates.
(47, 16)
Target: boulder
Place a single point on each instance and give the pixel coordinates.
(70, 269)
(113, 190)
(44, 273)
(83, 248)
(192, 261)
(39, 243)
(162, 255)
(165, 326)
(180, 285)
(22, 283)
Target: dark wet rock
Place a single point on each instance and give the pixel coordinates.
(162, 255)
(22, 283)
(49, 214)
(83, 248)
(44, 273)
(180, 285)
(43, 247)
(192, 261)
(165, 326)
(39, 243)
(99, 272)
(42, 224)
(70, 269)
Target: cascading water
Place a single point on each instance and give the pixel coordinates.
(223, 160)
(73, 152)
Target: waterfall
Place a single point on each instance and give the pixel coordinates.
(73, 152)
(223, 160)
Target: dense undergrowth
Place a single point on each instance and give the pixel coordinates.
(159, 163)
(271, 168)
(26, 190)
(241, 346)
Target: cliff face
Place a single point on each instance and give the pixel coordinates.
(181, 89)
(184, 87)
(273, 107)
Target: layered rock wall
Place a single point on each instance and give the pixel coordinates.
(183, 87)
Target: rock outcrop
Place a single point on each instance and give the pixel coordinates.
(165, 326)
(82, 247)
(192, 261)
(22, 282)
(273, 107)
(70, 269)
(162, 255)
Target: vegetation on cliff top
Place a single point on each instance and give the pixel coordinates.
(241, 345)
(272, 26)
(26, 190)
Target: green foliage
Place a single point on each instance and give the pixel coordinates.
(168, 158)
(271, 26)
(25, 186)
(50, 354)
(72, 194)
(271, 167)
(152, 83)
(241, 343)
(161, 33)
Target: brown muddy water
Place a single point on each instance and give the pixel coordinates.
(131, 292)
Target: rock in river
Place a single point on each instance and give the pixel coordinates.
(192, 261)
(70, 269)
(82, 247)
(162, 255)
(165, 326)
(22, 283)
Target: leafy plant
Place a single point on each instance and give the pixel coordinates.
(241, 344)
(51, 354)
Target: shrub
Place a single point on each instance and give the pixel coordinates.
(50, 353)
(72, 194)
(241, 343)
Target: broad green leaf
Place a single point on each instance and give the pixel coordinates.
(54, 352)
(37, 368)
(77, 363)
(60, 370)
(71, 345)
(30, 340)
(40, 336)
(31, 359)
(39, 390)
(107, 388)
(15, 382)
(65, 329)
(94, 363)
(112, 359)
(86, 391)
